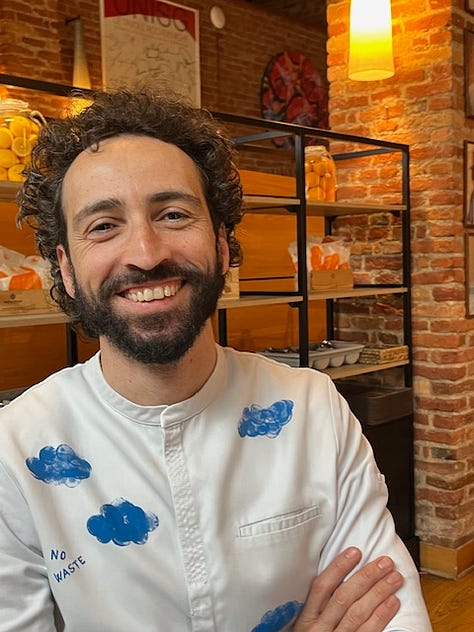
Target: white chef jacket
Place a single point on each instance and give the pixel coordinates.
(212, 514)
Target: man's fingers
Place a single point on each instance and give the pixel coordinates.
(324, 585)
(373, 610)
(355, 601)
(382, 615)
(365, 602)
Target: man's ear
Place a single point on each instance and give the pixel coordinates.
(66, 270)
(223, 249)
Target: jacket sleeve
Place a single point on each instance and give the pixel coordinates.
(26, 604)
(363, 520)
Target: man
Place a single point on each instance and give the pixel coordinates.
(168, 484)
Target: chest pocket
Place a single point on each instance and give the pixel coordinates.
(282, 524)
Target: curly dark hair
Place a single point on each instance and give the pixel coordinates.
(168, 118)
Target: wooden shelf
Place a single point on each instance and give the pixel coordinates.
(268, 299)
(328, 209)
(30, 320)
(258, 300)
(355, 292)
(268, 203)
(281, 205)
(349, 370)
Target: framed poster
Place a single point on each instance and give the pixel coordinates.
(150, 44)
(469, 273)
(469, 184)
(469, 225)
(469, 71)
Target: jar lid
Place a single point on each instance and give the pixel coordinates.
(7, 105)
(310, 148)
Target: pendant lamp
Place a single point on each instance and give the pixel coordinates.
(80, 71)
(370, 40)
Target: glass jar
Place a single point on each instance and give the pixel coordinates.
(320, 174)
(19, 127)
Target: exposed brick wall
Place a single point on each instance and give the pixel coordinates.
(36, 41)
(423, 106)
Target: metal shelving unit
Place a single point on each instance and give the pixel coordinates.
(258, 131)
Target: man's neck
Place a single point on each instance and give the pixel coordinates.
(154, 385)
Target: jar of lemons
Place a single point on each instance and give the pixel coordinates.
(320, 174)
(19, 127)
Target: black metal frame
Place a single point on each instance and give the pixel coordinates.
(58, 89)
(270, 129)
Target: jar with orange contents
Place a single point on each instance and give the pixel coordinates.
(19, 127)
(320, 174)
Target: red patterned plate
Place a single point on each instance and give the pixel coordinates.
(293, 91)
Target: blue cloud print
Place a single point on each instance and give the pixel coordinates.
(265, 421)
(122, 522)
(278, 619)
(60, 466)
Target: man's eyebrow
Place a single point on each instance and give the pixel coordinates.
(109, 204)
(171, 195)
(93, 208)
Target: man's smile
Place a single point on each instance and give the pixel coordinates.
(158, 292)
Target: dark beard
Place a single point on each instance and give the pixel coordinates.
(161, 338)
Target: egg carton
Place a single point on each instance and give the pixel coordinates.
(320, 358)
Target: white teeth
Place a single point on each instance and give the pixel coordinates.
(150, 294)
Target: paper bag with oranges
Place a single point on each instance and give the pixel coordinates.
(20, 272)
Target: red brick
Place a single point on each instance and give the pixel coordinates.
(440, 497)
(450, 482)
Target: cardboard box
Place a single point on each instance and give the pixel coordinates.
(375, 405)
(322, 280)
(21, 302)
(378, 354)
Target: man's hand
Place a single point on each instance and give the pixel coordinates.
(364, 603)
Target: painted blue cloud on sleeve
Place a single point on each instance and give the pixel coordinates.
(122, 522)
(59, 466)
(269, 421)
(276, 620)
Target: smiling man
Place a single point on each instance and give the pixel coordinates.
(168, 484)
(143, 262)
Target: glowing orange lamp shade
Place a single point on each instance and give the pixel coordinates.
(370, 40)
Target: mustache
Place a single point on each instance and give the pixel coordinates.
(114, 285)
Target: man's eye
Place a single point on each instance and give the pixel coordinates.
(174, 215)
(102, 227)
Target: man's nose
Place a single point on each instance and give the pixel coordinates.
(145, 247)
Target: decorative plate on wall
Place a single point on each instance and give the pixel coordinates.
(293, 91)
